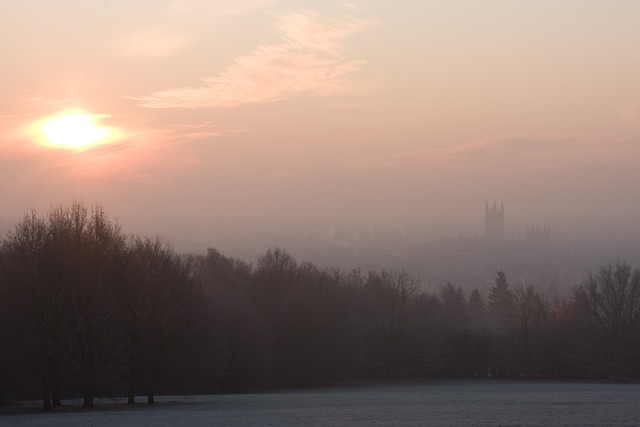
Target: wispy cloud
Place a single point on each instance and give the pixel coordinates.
(508, 154)
(187, 132)
(309, 60)
(161, 148)
(143, 155)
(523, 148)
(205, 9)
(343, 105)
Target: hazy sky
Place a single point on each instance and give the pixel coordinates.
(321, 108)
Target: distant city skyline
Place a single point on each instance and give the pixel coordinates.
(172, 113)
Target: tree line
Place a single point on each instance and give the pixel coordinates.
(86, 310)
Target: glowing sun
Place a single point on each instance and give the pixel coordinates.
(74, 130)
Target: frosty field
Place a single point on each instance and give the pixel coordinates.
(449, 403)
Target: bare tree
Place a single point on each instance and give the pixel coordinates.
(164, 312)
(313, 331)
(90, 255)
(477, 309)
(462, 345)
(31, 300)
(454, 305)
(60, 270)
(531, 321)
(238, 355)
(391, 323)
(275, 276)
(608, 304)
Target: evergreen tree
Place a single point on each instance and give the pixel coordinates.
(476, 309)
(501, 305)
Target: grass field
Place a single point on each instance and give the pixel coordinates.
(447, 403)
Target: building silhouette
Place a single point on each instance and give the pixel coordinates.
(494, 222)
(539, 237)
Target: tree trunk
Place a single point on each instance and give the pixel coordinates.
(55, 394)
(55, 384)
(131, 400)
(132, 397)
(46, 396)
(88, 401)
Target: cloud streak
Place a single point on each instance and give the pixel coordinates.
(309, 60)
(509, 154)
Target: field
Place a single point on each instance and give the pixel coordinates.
(449, 403)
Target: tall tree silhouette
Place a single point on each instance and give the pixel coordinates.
(165, 310)
(31, 302)
(391, 323)
(500, 311)
(60, 270)
(532, 314)
(500, 306)
(608, 304)
(90, 259)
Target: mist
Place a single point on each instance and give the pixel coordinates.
(266, 195)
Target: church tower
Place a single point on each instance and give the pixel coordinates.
(539, 237)
(494, 222)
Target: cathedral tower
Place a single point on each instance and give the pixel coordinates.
(494, 222)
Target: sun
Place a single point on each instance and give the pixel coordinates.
(74, 130)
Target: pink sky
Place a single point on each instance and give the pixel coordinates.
(322, 108)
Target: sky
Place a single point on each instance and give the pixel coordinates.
(201, 110)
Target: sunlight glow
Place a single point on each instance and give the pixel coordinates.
(74, 130)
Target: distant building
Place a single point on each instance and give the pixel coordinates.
(539, 237)
(473, 262)
(494, 222)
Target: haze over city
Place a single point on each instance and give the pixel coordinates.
(204, 120)
(319, 212)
